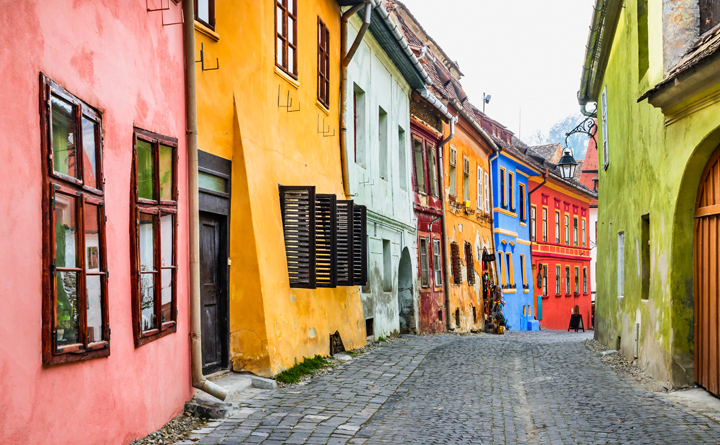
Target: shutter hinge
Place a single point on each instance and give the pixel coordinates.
(106, 218)
(52, 204)
(53, 268)
(109, 334)
(107, 276)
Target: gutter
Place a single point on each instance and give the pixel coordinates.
(198, 379)
(446, 283)
(461, 110)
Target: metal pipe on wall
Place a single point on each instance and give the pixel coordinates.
(198, 379)
(446, 284)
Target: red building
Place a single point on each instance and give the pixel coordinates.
(560, 234)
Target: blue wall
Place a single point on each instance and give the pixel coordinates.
(512, 236)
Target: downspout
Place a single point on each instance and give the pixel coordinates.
(545, 178)
(586, 113)
(446, 283)
(198, 380)
(492, 213)
(347, 58)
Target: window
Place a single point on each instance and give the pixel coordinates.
(645, 256)
(503, 280)
(437, 262)
(557, 280)
(432, 169)
(402, 162)
(383, 144)
(642, 26)
(577, 280)
(205, 12)
(567, 280)
(544, 224)
(466, 179)
(575, 231)
(480, 200)
(522, 268)
(567, 230)
(511, 277)
(323, 64)
(606, 150)
(487, 192)
(470, 263)
(424, 265)
(511, 190)
(620, 264)
(154, 244)
(387, 266)
(544, 279)
(709, 15)
(584, 232)
(359, 125)
(453, 171)
(585, 280)
(557, 227)
(523, 215)
(75, 307)
(456, 263)
(533, 223)
(285, 36)
(419, 165)
(503, 193)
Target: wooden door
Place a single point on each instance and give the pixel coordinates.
(213, 293)
(707, 281)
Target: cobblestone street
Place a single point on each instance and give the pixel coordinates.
(534, 387)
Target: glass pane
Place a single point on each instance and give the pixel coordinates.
(65, 231)
(89, 132)
(279, 52)
(279, 20)
(66, 308)
(147, 242)
(166, 172)
(63, 137)
(291, 31)
(147, 301)
(166, 240)
(92, 237)
(211, 182)
(94, 308)
(291, 60)
(145, 166)
(419, 170)
(204, 10)
(166, 295)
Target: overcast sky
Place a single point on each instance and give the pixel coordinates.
(527, 54)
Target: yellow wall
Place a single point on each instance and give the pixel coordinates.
(271, 325)
(462, 227)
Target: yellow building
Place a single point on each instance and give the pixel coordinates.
(267, 117)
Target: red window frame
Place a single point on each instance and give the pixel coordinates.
(74, 188)
(285, 11)
(323, 61)
(157, 208)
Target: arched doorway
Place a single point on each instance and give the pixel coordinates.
(707, 277)
(406, 306)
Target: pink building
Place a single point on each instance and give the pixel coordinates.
(94, 231)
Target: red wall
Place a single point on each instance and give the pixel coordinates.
(557, 308)
(117, 57)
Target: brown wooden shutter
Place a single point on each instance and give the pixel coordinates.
(470, 264)
(326, 240)
(359, 245)
(297, 204)
(455, 260)
(345, 243)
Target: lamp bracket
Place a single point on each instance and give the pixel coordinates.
(587, 127)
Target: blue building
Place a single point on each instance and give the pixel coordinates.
(510, 194)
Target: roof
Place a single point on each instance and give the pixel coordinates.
(550, 152)
(703, 50)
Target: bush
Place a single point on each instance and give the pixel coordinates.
(306, 367)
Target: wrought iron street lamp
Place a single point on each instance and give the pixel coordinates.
(567, 164)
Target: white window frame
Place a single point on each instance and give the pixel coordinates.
(606, 147)
(487, 192)
(480, 199)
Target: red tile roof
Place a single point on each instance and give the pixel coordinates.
(589, 167)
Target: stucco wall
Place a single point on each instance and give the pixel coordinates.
(118, 58)
(271, 325)
(388, 199)
(663, 163)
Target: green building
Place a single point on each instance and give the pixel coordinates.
(653, 68)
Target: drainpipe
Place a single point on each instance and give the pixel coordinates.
(545, 178)
(446, 286)
(586, 113)
(347, 58)
(492, 213)
(198, 380)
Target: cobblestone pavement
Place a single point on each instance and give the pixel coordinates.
(538, 387)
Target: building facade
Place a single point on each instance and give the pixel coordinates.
(560, 235)
(654, 78)
(269, 129)
(98, 232)
(587, 175)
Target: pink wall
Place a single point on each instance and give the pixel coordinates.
(121, 60)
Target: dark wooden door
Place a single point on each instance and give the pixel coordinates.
(213, 291)
(707, 278)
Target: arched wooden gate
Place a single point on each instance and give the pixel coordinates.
(707, 277)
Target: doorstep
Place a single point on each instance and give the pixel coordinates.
(241, 387)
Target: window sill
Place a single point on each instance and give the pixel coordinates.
(527, 291)
(70, 357)
(158, 334)
(522, 224)
(286, 77)
(202, 29)
(545, 297)
(322, 107)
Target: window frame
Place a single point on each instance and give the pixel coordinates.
(211, 11)
(437, 262)
(466, 179)
(575, 231)
(503, 193)
(424, 266)
(567, 229)
(577, 280)
(55, 183)
(544, 224)
(533, 223)
(419, 157)
(523, 272)
(511, 274)
(480, 189)
(567, 280)
(585, 281)
(511, 191)
(286, 16)
(584, 232)
(158, 208)
(558, 279)
(557, 227)
(432, 173)
(323, 58)
(522, 205)
(487, 192)
(543, 267)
